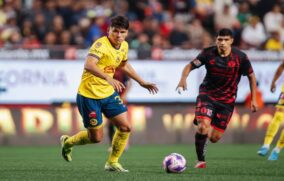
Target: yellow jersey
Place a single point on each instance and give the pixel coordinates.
(109, 58)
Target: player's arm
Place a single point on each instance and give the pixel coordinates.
(277, 74)
(91, 66)
(252, 83)
(129, 70)
(182, 85)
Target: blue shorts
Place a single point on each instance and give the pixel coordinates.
(91, 109)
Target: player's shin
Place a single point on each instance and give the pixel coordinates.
(81, 138)
(280, 142)
(200, 143)
(118, 145)
(273, 127)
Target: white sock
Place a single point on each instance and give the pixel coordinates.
(277, 150)
(266, 146)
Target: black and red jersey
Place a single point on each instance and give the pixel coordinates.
(223, 73)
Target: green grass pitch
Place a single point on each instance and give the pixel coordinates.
(224, 162)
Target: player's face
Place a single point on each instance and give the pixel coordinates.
(117, 35)
(224, 43)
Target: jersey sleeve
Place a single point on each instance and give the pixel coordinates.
(199, 60)
(96, 50)
(246, 67)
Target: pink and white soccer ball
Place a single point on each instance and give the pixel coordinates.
(174, 163)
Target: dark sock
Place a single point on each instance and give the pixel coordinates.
(200, 142)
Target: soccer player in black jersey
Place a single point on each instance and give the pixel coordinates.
(217, 93)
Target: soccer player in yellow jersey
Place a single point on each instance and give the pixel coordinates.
(98, 93)
(275, 123)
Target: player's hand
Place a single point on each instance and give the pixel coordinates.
(182, 86)
(118, 86)
(254, 106)
(272, 87)
(152, 88)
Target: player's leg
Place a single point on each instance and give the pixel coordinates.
(111, 131)
(92, 119)
(119, 142)
(116, 112)
(218, 124)
(203, 116)
(271, 131)
(275, 152)
(221, 119)
(215, 135)
(201, 135)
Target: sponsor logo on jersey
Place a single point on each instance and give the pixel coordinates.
(98, 44)
(197, 62)
(231, 63)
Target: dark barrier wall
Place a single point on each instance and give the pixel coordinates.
(152, 124)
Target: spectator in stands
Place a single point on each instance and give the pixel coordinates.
(77, 36)
(207, 40)
(155, 10)
(144, 48)
(205, 12)
(274, 42)
(244, 14)
(15, 40)
(219, 6)
(273, 19)
(30, 40)
(225, 19)
(93, 33)
(158, 44)
(49, 10)
(86, 20)
(57, 26)
(40, 26)
(50, 39)
(195, 32)
(178, 37)
(253, 34)
(65, 10)
(122, 8)
(150, 26)
(65, 38)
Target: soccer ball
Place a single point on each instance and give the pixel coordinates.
(174, 163)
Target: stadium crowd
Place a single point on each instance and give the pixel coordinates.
(155, 24)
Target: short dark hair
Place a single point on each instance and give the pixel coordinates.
(119, 22)
(225, 32)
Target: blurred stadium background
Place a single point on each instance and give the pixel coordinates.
(44, 43)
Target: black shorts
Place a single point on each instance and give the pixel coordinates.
(218, 113)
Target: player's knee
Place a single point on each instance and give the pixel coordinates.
(203, 128)
(214, 139)
(125, 128)
(95, 139)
